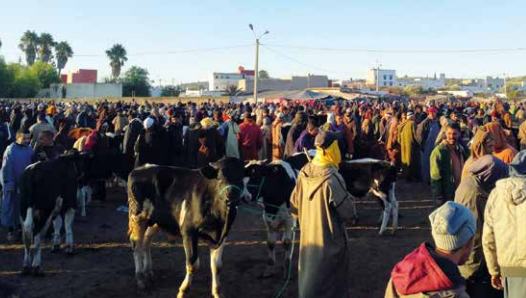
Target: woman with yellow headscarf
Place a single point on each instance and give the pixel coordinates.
(322, 204)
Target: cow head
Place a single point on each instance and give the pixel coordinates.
(76, 163)
(231, 172)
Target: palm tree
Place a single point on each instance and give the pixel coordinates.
(63, 51)
(45, 44)
(28, 44)
(117, 55)
(232, 90)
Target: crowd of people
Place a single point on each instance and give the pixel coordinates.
(468, 153)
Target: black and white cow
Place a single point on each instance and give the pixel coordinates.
(101, 168)
(194, 204)
(276, 182)
(48, 189)
(377, 177)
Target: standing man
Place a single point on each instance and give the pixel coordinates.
(39, 127)
(410, 155)
(426, 135)
(504, 235)
(322, 204)
(17, 157)
(446, 162)
(250, 138)
(473, 192)
(431, 271)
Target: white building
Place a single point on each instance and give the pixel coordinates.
(84, 90)
(426, 83)
(384, 77)
(294, 83)
(486, 85)
(220, 81)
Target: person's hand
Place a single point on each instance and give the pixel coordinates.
(496, 282)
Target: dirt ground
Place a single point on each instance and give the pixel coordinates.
(103, 265)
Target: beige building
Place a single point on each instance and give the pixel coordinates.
(294, 83)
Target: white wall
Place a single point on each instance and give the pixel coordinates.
(220, 81)
(387, 77)
(84, 90)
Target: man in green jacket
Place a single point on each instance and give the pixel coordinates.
(446, 163)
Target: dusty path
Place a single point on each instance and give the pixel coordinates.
(103, 264)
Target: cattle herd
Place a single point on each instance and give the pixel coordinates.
(193, 204)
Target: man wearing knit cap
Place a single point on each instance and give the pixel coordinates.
(426, 134)
(432, 271)
(322, 205)
(504, 233)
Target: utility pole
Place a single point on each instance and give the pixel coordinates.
(256, 71)
(377, 76)
(505, 85)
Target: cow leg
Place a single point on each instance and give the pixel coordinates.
(287, 244)
(394, 202)
(147, 255)
(27, 237)
(37, 253)
(57, 226)
(137, 230)
(271, 245)
(216, 264)
(68, 225)
(192, 263)
(88, 191)
(81, 202)
(386, 215)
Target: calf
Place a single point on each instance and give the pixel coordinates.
(194, 204)
(48, 189)
(378, 177)
(276, 183)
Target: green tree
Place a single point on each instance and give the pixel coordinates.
(136, 80)
(0, 43)
(117, 55)
(232, 90)
(45, 73)
(28, 44)
(63, 52)
(413, 90)
(25, 82)
(170, 90)
(46, 43)
(6, 79)
(263, 74)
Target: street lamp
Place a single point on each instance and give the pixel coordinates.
(256, 74)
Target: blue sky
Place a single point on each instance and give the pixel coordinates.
(158, 26)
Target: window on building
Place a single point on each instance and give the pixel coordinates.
(385, 83)
(390, 77)
(217, 77)
(385, 77)
(227, 77)
(217, 87)
(391, 84)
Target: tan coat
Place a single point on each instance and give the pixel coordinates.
(322, 205)
(504, 232)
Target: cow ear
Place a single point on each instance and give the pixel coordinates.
(216, 165)
(209, 172)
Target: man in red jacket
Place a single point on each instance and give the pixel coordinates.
(250, 138)
(432, 271)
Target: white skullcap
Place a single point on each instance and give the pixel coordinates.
(147, 123)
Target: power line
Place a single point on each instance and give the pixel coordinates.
(297, 61)
(402, 51)
(182, 51)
